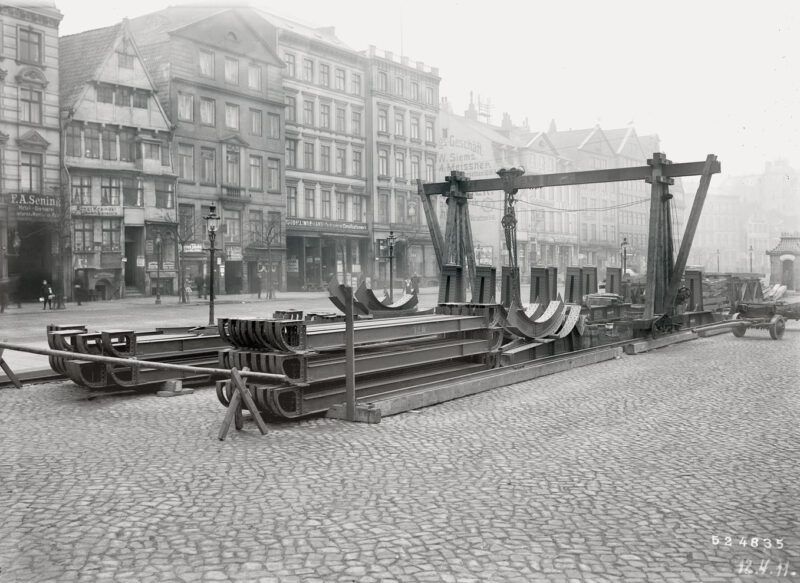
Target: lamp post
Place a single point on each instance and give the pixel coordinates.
(158, 268)
(390, 241)
(751, 258)
(718, 271)
(212, 224)
(624, 256)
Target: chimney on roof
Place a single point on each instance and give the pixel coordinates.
(471, 112)
(552, 129)
(526, 124)
(506, 123)
(446, 106)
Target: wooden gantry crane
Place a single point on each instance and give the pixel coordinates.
(455, 252)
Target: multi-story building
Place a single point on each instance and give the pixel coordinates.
(32, 208)
(402, 110)
(118, 167)
(218, 77)
(328, 204)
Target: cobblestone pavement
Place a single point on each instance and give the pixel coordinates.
(626, 470)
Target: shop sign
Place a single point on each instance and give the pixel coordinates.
(234, 252)
(99, 211)
(168, 265)
(192, 248)
(323, 225)
(293, 265)
(34, 206)
(140, 261)
(148, 247)
(152, 265)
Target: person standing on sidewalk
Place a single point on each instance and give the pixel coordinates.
(47, 295)
(262, 280)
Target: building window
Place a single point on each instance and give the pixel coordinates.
(414, 128)
(398, 86)
(152, 150)
(383, 81)
(273, 125)
(356, 120)
(341, 207)
(127, 145)
(290, 65)
(186, 222)
(429, 168)
(256, 128)
(383, 120)
(256, 169)
(208, 109)
(355, 83)
(383, 207)
(185, 107)
(357, 166)
(273, 175)
(82, 190)
(357, 209)
(308, 70)
(165, 198)
(133, 192)
(429, 135)
(340, 79)
(231, 71)
(256, 220)
(400, 165)
(415, 91)
(291, 153)
(324, 115)
(308, 113)
(308, 155)
(108, 137)
(186, 162)
(232, 221)
(254, 77)
(91, 138)
(109, 191)
(208, 166)
(383, 162)
(206, 64)
(325, 75)
(30, 46)
(325, 158)
(232, 166)
(399, 124)
(291, 109)
(105, 94)
(140, 99)
(30, 105)
(232, 116)
(429, 95)
(291, 201)
(341, 154)
(274, 232)
(415, 167)
(311, 200)
(340, 115)
(84, 234)
(124, 60)
(73, 140)
(400, 207)
(123, 98)
(326, 204)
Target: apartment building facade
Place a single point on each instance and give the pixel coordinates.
(33, 240)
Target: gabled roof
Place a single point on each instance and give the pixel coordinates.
(80, 57)
(569, 141)
(323, 35)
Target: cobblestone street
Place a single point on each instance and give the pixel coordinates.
(627, 470)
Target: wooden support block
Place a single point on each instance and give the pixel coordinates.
(240, 388)
(236, 403)
(9, 373)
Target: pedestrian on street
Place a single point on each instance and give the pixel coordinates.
(200, 284)
(262, 280)
(78, 292)
(415, 284)
(4, 283)
(47, 295)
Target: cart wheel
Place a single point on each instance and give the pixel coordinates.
(738, 331)
(776, 327)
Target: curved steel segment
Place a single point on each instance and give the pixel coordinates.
(367, 297)
(518, 324)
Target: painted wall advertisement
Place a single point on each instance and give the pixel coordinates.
(34, 206)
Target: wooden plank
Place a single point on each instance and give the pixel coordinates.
(433, 224)
(236, 403)
(572, 178)
(238, 383)
(653, 237)
(9, 373)
(691, 229)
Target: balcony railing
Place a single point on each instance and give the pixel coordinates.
(234, 192)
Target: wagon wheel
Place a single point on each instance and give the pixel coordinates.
(738, 331)
(776, 327)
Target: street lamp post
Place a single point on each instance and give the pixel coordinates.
(212, 224)
(624, 256)
(390, 241)
(158, 268)
(751, 258)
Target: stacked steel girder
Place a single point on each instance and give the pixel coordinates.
(367, 304)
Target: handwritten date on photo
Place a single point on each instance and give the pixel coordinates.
(764, 567)
(752, 542)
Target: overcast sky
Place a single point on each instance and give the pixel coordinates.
(706, 76)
